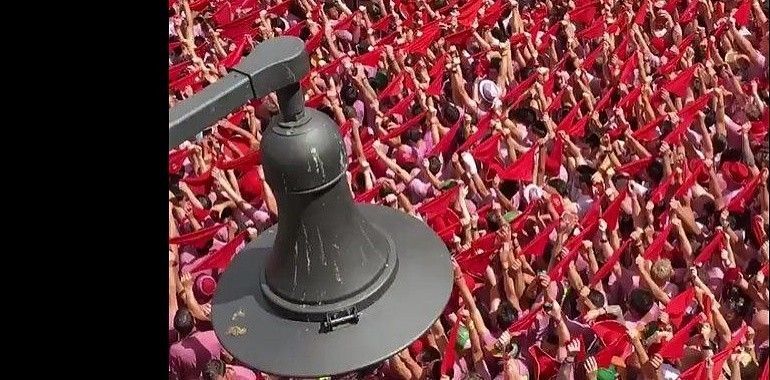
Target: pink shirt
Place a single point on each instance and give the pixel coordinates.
(242, 373)
(188, 357)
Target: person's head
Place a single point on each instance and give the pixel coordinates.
(489, 92)
(737, 304)
(661, 271)
(594, 300)
(626, 224)
(331, 10)
(450, 113)
(304, 33)
(348, 94)
(506, 315)
(183, 322)
(215, 370)
(585, 172)
(666, 126)
(434, 165)
(509, 188)
(608, 373)
(327, 110)
(412, 136)
(428, 354)
(178, 195)
(559, 185)
(748, 367)
(731, 154)
(640, 301)
(205, 201)
(655, 171)
(493, 222)
(593, 142)
(523, 115)
(539, 129)
(551, 339)
(379, 80)
(349, 112)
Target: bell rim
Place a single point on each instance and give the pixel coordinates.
(278, 346)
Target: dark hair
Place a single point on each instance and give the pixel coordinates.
(525, 115)
(719, 142)
(435, 370)
(559, 185)
(327, 110)
(585, 173)
(493, 222)
(750, 370)
(451, 113)
(227, 212)
(569, 64)
(183, 322)
(472, 375)
(666, 126)
(415, 109)
(413, 135)
(596, 297)
(551, 336)
(539, 128)
(625, 224)
(523, 73)
(362, 47)
(434, 164)
(378, 81)
(328, 5)
(739, 221)
(494, 63)
(509, 188)
(737, 301)
(214, 368)
(349, 112)
(506, 315)
(499, 33)
(304, 33)
(277, 22)
(592, 141)
(428, 354)
(348, 94)
(178, 194)
(640, 301)
(655, 171)
(731, 154)
(205, 201)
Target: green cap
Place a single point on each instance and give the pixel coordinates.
(463, 338)
(606, 373)
(448, 184)
(510, 215)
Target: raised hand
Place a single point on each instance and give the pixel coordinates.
(591, 367)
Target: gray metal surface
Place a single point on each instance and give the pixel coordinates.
(335, 286)
(273, 64)
(284, 347)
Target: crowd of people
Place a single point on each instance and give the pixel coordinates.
(598, 170)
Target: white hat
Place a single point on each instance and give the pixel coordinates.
(488, 91)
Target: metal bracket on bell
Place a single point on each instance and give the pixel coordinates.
(334, 320)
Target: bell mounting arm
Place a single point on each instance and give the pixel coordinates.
(276, 64)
